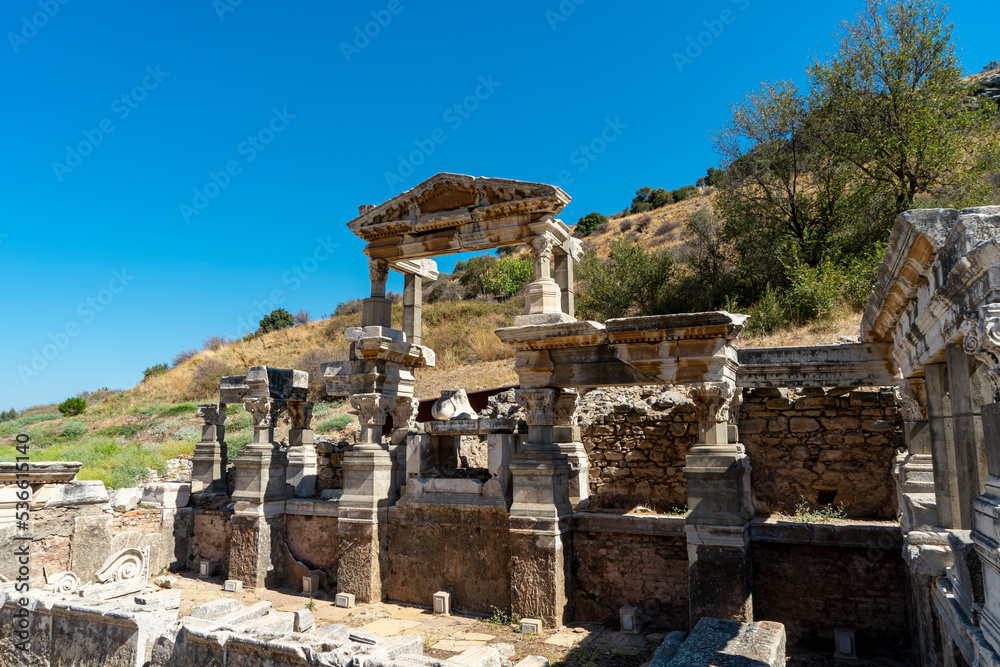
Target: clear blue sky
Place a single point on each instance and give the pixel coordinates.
(118, 112)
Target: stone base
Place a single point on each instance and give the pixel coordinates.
(256, 555)
(717, 641)
(360, 543)
(539, 559)
(542, 318)
(719, 575)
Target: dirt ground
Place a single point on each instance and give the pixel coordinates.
(577, 645)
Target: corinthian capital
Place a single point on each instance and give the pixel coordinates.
(911, 395)
(566, 404)
(300, 413)
(712, 400)
(541, 246)
(372, 408)
(378, 270)
(982, 340)
(214, 414)
(404, 415)
(262, 410)
(539, 404)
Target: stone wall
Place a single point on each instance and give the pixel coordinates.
(312, 540)
(329, 465)
(212, 537)
(636, 441)
(822, 448)
(464, 550)
(144, 520)
(629, 561)
(814, 589)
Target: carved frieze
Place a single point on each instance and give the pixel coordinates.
(982, 340)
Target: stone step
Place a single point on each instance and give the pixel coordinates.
(480, 656)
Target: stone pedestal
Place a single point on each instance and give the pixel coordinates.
(719, 511)
(209, 461)
(362, 522)
(302, 467)
(255, 554)
(540, 517)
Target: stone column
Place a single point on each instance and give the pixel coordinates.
(404, 421)
(915, 466)
(377, 310)
(368, 484)
(540, 516)
(566, 434)
(302, 467)
(564, 278)
(542, 296)
(209, 461)
(719, 511)
(255, 556)
(986, 527)
(412, 305)
(942, 445)
(967, 433)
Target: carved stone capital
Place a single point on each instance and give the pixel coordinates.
(539, 404)
(372, 408)
(300, 413)
(214, 414)
(541, 246)
(574, 248)
(567, 402)
(712, 400)
(982, 340)
(378, 270)
(911, 395)
(404, 415)
(262, 410)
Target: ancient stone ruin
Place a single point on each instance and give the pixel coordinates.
(508, 506)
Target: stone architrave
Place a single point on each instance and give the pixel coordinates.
(302, 464)
(540, 516)
(720, 509)
(209, 461)
(566, 434)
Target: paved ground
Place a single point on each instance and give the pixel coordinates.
(586, 644)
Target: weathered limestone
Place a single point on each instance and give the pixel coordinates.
(302, 466)
(967, 432)
(942, 446)
(715, 641)
(540, 516)
(986, 531)
(209, 461)
(414, 273)
(566, 435)
(859, 365)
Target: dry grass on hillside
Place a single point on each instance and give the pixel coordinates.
(659, 229)
(844, 324)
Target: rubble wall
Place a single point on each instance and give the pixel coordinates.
(312, 540)
(814, 589)
(625, 561)
(212, 537)
(461, 549)
(822, 449)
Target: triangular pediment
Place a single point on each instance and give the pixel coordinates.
(449, 200)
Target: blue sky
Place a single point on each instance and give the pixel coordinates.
(174, 167)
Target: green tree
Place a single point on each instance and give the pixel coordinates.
(279, 318)
(892, 105)
(588, 223)
(154, 370)
(631, 281)
(473, 277)
(73, 406)
(507, 276)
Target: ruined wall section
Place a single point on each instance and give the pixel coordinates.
(823, 449)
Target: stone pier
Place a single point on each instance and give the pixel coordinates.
(209, 461)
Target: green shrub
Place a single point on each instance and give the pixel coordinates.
(8, 415)
(859, 272)
(815, 290)
(15, 426)
(240, 422)
(588, 223)
(767, 315)
(73, 429)
(507, 276)
(188, 432)
(279, 318)
(124, 431)
(338, 423)
(236, 443)
(154, 370)
(631, 281)
(73, 406)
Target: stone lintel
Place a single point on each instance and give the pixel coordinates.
(853, 365)
(259, 509)
(422, 268)
(719, 536)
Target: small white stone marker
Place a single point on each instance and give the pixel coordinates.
(846, 647)
(531, 626)
(233, 586)
(630, 624)
(206, 568)
(442, 603)
(310, 584)
(345, 600)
